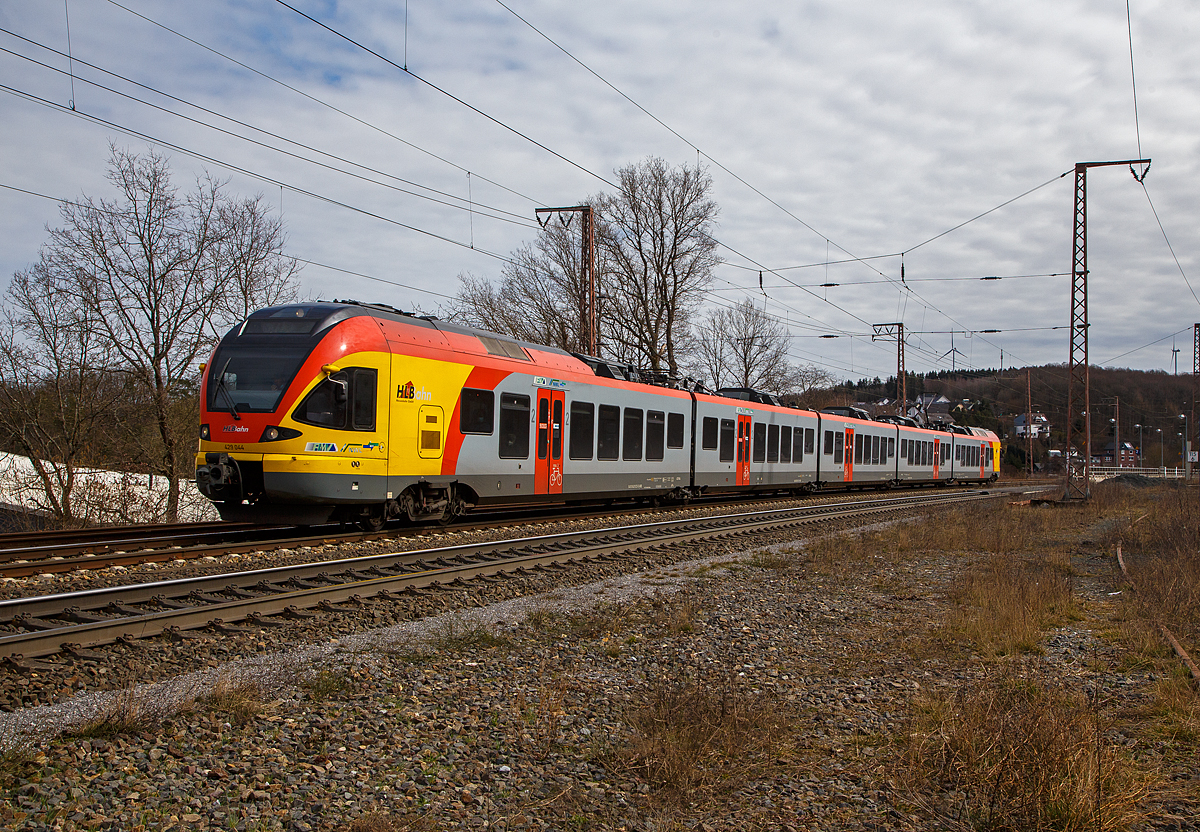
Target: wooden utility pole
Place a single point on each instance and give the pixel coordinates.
(1028, 422)
(587, 266)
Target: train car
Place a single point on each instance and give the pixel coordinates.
(343, 411)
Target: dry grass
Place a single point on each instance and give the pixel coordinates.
(1012, 752)
(388, 822)
(992, 528)
(241, 700)
(121, 714)
(1003, 608)
(694, 734)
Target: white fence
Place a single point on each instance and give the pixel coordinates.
(1105, 472)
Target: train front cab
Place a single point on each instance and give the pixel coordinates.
(293, 421)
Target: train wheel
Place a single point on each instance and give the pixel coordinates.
(373, 520)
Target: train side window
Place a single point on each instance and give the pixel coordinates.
(727, 440)
(903, 448)
(828, 442)
(608, 443)
(798, 445)
(476, 411)
(655, 425)
(945, 453)
(839, 439)
(875, 460)
(556, 431)
(674, 430)
(858, 449)
(514, 426)
(760, 442)
(364, 400)
(325, 405)
(785, 443)
(772, 443)
(810, 440)
(632, 448)
(583, 424)
(543, 428)
(708, 436)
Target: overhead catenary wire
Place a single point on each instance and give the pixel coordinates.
(321, 102)
(498, 213)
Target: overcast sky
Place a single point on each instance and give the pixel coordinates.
(871, 126)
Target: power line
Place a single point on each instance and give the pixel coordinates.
(321, 102)
(53, 105)
(446, 93)
(516, 219)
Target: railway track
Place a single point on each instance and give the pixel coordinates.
(76, 621)
(24, 554)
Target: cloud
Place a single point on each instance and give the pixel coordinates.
(878, 124)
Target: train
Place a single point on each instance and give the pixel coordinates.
(352, 412)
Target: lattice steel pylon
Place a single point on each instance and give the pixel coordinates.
(1079, 393)
(896, 330)
(587, 266)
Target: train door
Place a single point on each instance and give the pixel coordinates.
(848, 470)
(983, 451)
(547, 466)
(937, 456)
(743, 450)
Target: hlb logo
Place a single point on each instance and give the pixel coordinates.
(407, 392)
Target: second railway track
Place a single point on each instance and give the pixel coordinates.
(75, 621)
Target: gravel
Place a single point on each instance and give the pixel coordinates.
(508, 706)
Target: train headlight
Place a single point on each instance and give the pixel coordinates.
(274, 433)
(205, 433)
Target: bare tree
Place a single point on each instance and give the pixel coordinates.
(55, 394)
(743, 346)
(541, 296)
(153, 275)
(658, 255)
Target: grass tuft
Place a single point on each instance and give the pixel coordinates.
(1011, 752)
(690, 734)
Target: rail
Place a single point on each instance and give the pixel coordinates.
(43, 625)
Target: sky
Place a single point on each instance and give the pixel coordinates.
(839, 135)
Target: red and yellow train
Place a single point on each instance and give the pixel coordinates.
(328, 411)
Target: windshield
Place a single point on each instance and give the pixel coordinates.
(255, 375)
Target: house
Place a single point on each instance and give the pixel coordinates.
(1128, 456)
(932, 409)
(1038, 425)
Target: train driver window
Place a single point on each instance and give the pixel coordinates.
(608, 442)
(772, 443)
(631, 450)
(785, 443)
(674, 430)
(514, 426)
(583, 424)
(809, 440)
(708, 437)
(727, 442)
(760, 442)
(839, 439)
(476, 411)
(654, 435)
(329, 403)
